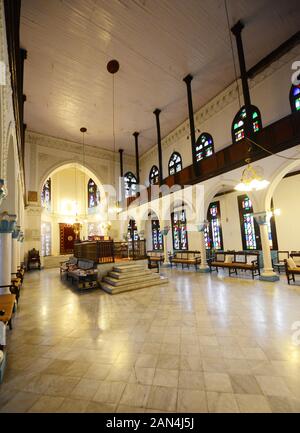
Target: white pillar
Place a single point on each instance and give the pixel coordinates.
(203, 266)
(14, 255)
(7, 225)
(166, 257)
(268, 273)
(5, 260)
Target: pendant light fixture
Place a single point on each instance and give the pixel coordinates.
(251, 180)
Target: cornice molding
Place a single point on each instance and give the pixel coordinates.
(42, 140)
(218, 103)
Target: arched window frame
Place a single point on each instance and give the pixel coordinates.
(46, 195)
(157, 239)
(175, 163)
(154, 175)
(238, 124)
(179, 230)
(204, 146)
(130, 184)
(132, 233)
(295, 98)
(93, 194)
(249, 228)
(213, 233)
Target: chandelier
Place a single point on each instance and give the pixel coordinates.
(251, 179)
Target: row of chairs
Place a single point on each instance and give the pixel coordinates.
(8, 307)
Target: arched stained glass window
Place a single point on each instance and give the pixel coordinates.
(295, 98)
(175, 163)
(93, 194)
(204, 146)
(249, 227)
(132, 233)
(213, 233)
(46, 195)
(179, 230)
(130, 184)
(154, 175)
(157, 240)
(238, 125)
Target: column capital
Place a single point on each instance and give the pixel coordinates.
(157, 112)
(261, 217)
(188, 79)
(136, 134)
(7, 222)
(237, 28)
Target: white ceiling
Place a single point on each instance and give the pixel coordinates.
(157, 43)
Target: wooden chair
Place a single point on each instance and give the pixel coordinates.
(278, 264)
(33, 258)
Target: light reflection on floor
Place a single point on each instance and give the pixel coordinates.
(201, 343)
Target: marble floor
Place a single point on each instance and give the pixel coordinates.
(201, 343)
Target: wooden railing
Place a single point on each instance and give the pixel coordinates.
(276, 137)
(97, 251)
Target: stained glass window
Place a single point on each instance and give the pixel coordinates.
(295, 98)
(46, 239)
(132, 232)
(204, 146)
(46, 195)
(93, 194)
(154, 175)
(175, 163)
(238, 125)
(249, 227)
(179, 230)
(157, 239)
(130, 184)
(213, 233)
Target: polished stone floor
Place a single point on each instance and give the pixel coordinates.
(201, 343)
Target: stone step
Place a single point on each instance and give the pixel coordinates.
(126, 281)
(125, 275)
(129, 268)
(113, 290)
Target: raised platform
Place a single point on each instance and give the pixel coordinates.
(129, 275)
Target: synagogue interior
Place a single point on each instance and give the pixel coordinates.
(149, 206)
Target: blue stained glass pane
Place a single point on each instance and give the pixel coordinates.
(296, 91)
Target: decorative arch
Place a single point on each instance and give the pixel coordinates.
(204, 146)
(175, 163)
(68, 164)
(238, 124)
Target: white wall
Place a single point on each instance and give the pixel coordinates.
(286, 198)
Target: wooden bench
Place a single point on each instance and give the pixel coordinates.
(188, 258)
(235, 261)
(7, 303)
(82, 272)
(155, 259)
(291, 272)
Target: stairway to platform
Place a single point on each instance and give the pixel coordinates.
(130, 276)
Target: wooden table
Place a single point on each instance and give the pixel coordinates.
(7, 303)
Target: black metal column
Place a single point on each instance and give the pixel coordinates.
(137, 162)
(237, 31)
(188, 81)
(121, 183)
(160, 165)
